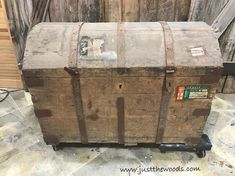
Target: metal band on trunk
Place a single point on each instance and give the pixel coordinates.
(120, 45)
(168, 80)
(121, 119)
(75, 82)
(121, 66)
(74, 53)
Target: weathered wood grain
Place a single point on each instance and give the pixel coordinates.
(39, 12)
(75, 10)
(224, 18)
(207, 11)
(19, 16)
(227, 43)
(146, 10)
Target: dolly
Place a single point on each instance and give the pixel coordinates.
(200, 148)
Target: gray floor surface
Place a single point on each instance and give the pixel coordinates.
(24, 153)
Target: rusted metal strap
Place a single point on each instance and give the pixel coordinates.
(76, 88)
(169, 47)
(169, 54)
(75, 82)
(163, 114)
(168, 80)
(74, 53)
(121, 119)
(79, 109)
(120, 45)
(40, 113)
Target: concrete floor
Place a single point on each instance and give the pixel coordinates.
(24, 153)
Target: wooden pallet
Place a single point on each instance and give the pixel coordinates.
(9, 72)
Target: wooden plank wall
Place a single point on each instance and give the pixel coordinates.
(146, 10)
(19, 14)
(119, 10)
(75, 10)
(208, 11)
(227, 44)
(9, 72)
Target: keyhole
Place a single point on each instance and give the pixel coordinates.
(120, 86)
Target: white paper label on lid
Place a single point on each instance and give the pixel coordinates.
(199, 51)
(94, 49)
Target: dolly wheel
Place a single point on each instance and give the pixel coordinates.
(201, 153)
(55, 147)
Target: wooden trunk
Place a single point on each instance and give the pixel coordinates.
(122, 83)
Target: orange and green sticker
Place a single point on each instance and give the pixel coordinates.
(192, 92)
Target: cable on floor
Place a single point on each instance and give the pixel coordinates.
(7, 92)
